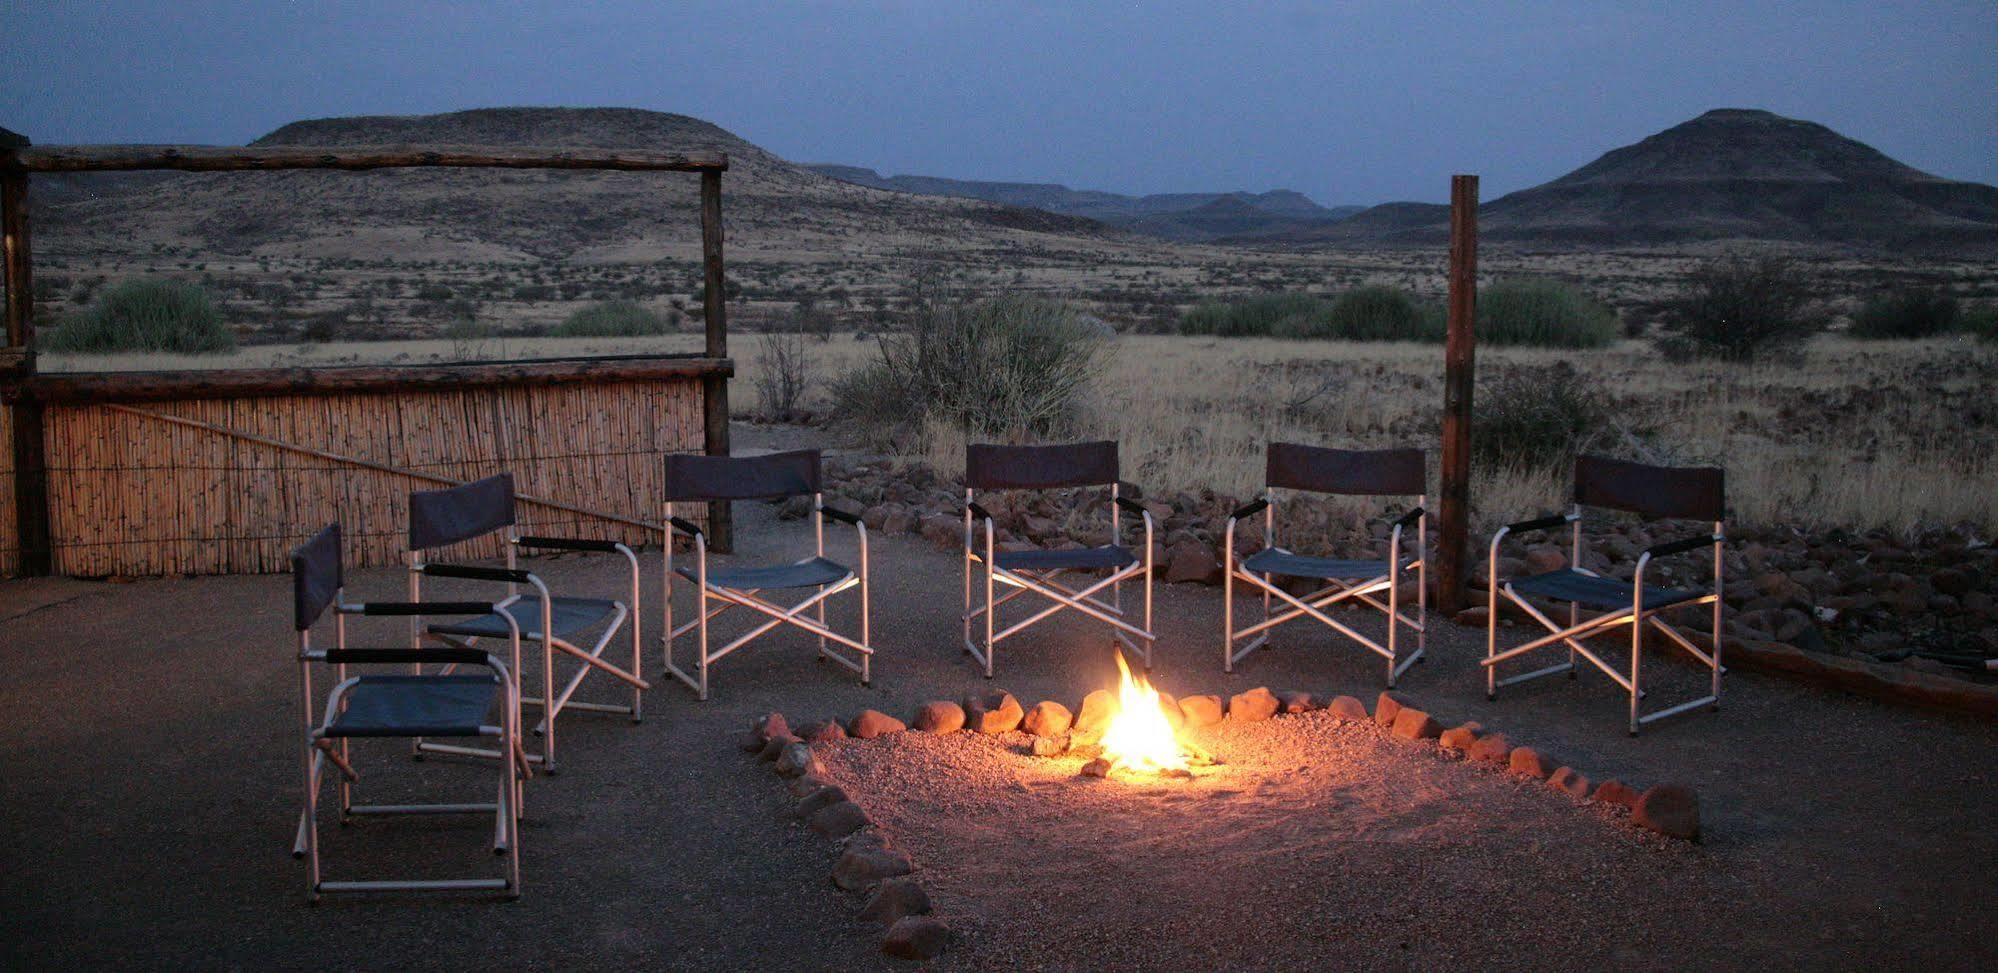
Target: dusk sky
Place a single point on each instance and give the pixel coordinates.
(1351, 103)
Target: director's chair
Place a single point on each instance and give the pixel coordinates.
(989, 467)
(696, 478)
(1377, 583)
(420, 704)
(1686, 493)
(441, 518)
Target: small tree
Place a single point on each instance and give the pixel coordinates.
(1740, 309)
(1908, 313)
(783, 375)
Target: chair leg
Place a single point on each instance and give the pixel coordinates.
(1394, 616)
(1491, 634)
(1228, 612)
(821, 610)
(1636, 667)
(548, 699)
(703, 607)
(990, 611)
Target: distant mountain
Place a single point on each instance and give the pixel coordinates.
(1729, 174)
(1174, 216)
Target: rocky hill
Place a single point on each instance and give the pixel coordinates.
(1728, 174)
(1173, 216)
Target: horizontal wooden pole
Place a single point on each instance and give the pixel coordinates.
(210, 158)
(73, 388)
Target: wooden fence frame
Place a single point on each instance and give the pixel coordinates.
(27, 391)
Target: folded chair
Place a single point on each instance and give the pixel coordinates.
(415, 705)
(1038, 572)
(1686, 493)
(1377, 583)
(440, 518)
(695, 478)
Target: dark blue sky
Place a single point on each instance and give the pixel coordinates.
(1353, 102)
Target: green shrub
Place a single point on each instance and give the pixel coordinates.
(1908, 313)
(148, 314)
(612, 319)
(1377, 312)
(1535, 419)
(1261, 316)
(1740, 309)
(1980, 322)
(1002, 367)
(1543, 313)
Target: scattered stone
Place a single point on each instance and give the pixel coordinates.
(1477, 617)
(761, 731)
(1200, 711)
(795, 760)
(1386, 709)
(863, 866)
(807, 785)
(1460, 737)
(828, 732)
(1098, 708)
(916, 937)
(1672, 810)
(1100, 767)
(1191, 560)
(1528, 761)
(1256, 704)
(993, 713)
(940, 716)
(775, 748)
(839, 820)
(1049, 718)
(872, 723)
(1414, 724)
(819, 800)
(895, 898)
(1571, 780)
(1051, 746)
(1492, 748)
(945, 532)
(1616, 792)
(1298, 702)
(1348, 709)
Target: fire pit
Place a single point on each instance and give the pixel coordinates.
(1140, 739)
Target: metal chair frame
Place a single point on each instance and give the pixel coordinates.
(862, 649)
(1579, 628)
(513, 577)
(1336, 591)
(1046, 583)
(323, 748)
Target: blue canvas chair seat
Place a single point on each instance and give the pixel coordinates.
(1072, 559)
(1271, 560)
(571, 615)
(809, 573)
(403, 706)
(1570, 585)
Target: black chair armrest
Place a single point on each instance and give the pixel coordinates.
(977, 511)
(839, 515)
(512, 575)
(686, 526)
(421, 608)
(1538, 523)
(1409, 518)
(477, 657)
(1680, 546)
(1250, 509)
(568, 544)
(1132, 506)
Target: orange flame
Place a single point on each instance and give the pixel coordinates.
(1139, 738)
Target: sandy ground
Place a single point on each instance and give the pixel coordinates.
(148, 788)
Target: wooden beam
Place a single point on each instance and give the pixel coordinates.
(19, 269)
(30, 455)
(81, 388)
(206, 158)
(1459, 379)
(714, 314)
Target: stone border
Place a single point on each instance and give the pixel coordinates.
(896, 899)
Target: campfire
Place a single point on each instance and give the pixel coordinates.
(1139, 738)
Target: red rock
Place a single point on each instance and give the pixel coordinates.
(1191, 561)
(1492, 748)
(1298, 702)
(1615, 792)
(1100, 767)
(1570, 780)
(1050, 746)
(894, 898)
(819, 800)
(839, 820)
(1386, 708)
(1477, 617)
(916, 937)
(1169, 708)
(1048, 718)
(763, 730)
(1544, 558)
(864, 866)
(1672, 810)
(1413, 724)
(1460, 737)
(1528, 761)
(1348, 709)
(872, 723)
(1199, 711)
(828, 732)
(806, 785)
(940, 716)
(1256, 704)
(993, 713)
(795, 760)
(775, 748)
(1098, 708)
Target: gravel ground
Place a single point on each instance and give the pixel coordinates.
(148, 788)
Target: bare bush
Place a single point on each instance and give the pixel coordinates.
(1740, 309)
(784, 376)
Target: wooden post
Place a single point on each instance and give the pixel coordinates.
(1459, 378)
(714, 388)
(31, 506)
